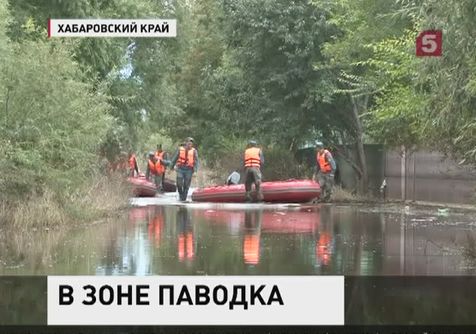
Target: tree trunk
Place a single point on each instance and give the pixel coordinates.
(364, 180)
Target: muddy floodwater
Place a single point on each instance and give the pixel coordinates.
(212, 239)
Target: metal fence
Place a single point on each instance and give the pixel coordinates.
(428, 176)
(419, 176)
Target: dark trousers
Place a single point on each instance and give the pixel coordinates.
(184, 179)
(326, 181)
(253, 176)
(159, 181)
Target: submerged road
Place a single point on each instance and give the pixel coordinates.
(386, 252)
(163, 236)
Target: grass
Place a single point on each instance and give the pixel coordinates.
(98, 198)
(342, 195)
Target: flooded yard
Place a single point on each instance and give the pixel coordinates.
(213, 239)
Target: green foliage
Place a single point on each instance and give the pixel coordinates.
(412, 101)
(281, 165)
(52, 123)
(397, 115)
(274, 44)
(279, 72)
(451, 112)
(155, 138)
(97, 56)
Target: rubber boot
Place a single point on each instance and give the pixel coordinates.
(248, 198)
(259, 196)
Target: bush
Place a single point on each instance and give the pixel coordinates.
(281, 164)
(97, 198)
(53, 122)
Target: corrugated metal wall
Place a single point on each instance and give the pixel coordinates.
(430, 176)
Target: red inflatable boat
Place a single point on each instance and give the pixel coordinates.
(143, 188)
(291, 191)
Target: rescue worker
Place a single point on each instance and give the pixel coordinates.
(185, 163)
(161, 166)
(253, 160)
(151, 170)
(325, 171)
(133, 167)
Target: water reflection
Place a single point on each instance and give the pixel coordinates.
(185, 241)
(251, 238)
(155, 240)
(325, 239)
(156, 226)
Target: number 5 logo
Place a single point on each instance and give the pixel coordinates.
(429, 43)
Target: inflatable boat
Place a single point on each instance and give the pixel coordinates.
(169, 186)
(141, 187)
(291, 191)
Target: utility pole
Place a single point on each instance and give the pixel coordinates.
(403, 173)
(414, 173)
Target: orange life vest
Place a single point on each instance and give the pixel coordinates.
(324, 165)
(252, 157)
(159, 168)
(186, 159)
(132, 162)
(152, 167)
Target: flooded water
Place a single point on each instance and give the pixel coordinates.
(252, 240)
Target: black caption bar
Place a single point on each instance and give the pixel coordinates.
(239, 330)
(422, 300)
(369, 301)
(23, 300)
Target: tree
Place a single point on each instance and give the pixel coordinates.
(276, 43)
(360, 23)
(52, 121)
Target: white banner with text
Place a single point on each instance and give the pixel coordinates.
(111, 28)
(196, 300)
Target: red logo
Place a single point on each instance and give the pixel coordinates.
(429, 43)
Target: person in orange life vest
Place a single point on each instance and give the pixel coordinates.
(325, 171)
(151, 170)
(162, 162)
(253, 161)
(185, 163)
(133, 167)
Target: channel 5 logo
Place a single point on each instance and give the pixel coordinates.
(429, 43)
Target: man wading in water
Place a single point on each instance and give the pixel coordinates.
(185, 162)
